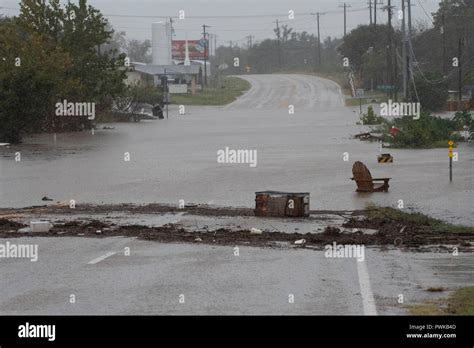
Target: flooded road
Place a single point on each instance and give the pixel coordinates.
(214, 281)
(176, 158)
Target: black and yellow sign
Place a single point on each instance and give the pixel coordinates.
(450, 148)
(385, 158)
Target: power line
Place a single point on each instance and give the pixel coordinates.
(426, 13)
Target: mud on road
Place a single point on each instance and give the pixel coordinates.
(390, 231)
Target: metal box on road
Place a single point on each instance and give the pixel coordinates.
(282, 204)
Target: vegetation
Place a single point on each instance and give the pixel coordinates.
(460, 302)
(219, 94)
(373, 212)
(54, 53)
(426, 132)
(295, 52)
(370, 118)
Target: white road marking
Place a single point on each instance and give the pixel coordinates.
(368, 301)
(101, 258)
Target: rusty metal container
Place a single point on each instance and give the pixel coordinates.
(282, 204)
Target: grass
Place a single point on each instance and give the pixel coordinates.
(375, 212)
(368, 99)
(460, 302)
(232, 87)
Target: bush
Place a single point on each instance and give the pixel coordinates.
(371, 118)
(426, 132)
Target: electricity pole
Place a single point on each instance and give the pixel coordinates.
(443, 33)
(279, 44)
(345, 22)
(204, 26)
(370, 11)
(404, 52)
(460, 72)
(390, 51)
(375, 12)
(410, 60)
(249, 41)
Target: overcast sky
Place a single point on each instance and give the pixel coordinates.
(236, 19)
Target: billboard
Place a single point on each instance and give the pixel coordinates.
(195, 48)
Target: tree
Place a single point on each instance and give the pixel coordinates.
(31, 76)
(432, 96)
(81, 30)
(139, 51)
(62, 55)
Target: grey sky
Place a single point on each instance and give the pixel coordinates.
(238, 28)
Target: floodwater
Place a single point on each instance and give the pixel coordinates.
(176, 158)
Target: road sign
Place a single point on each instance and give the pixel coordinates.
(360, 92)
(386, 87)
(450, 154)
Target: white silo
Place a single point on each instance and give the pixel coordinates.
(161, 43)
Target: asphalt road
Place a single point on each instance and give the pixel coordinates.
(214, 280)
(176, 158)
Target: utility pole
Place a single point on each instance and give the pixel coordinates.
(370, 11)
(171, 37)
(460, 72)
(443, 33)
(210, 45)
(410, 48)
(390, 45)
(319, 36)
(204, 27)
(249, 41)
(279, 44)
(375, 12)
(319, 43)
(404, 52)
(345, 17)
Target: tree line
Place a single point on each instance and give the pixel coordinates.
(432, 49)
(50, 53)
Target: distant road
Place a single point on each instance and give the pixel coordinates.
(280, 91)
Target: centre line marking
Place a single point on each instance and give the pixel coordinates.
(368, 301)
(101, 258)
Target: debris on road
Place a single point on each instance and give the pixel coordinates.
(255, 231)
(388, 229)
(368, 136)
(300, 242)
(40, 226)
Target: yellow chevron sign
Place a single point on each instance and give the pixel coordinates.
(385, 159)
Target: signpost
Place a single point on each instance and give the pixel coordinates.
(450, 154)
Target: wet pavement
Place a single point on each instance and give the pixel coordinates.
(176, 158)
(213, 280)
